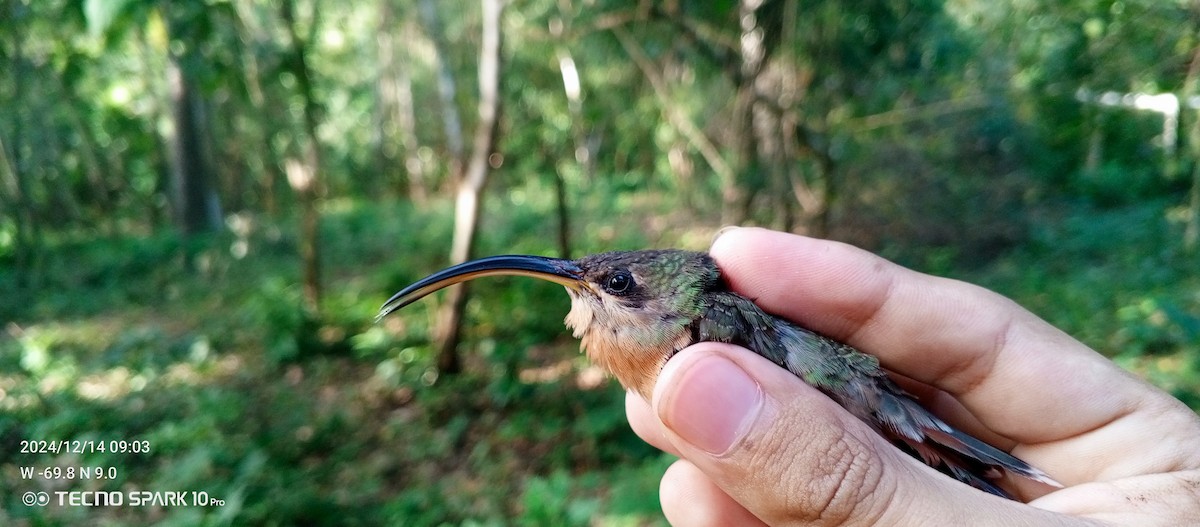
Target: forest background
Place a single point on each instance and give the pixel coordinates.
(202, 205)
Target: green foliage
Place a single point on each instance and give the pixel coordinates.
(274, 309)
(549, 501)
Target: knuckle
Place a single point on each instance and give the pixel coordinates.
(834, 477)
(848, 478)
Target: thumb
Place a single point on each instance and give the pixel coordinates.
(790, 455)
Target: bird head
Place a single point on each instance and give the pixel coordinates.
(631, 310)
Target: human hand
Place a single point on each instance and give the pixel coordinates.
(759, 446)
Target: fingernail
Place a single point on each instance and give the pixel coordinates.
(723, 231)
(713, 405)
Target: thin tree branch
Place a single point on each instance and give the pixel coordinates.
(673, 112)
(916, 113)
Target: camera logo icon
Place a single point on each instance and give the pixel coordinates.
(39, 499)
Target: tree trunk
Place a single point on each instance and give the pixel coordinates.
(152, 58)
(738, 192)
(62, 209)
(27, 242)
(94, 167)
(383, 135)
(447, 90)
(572, 89)
(304, 174)
(397, 119)
(406, 128)
(564, 215)
(260, 152)
(195, 205)
(823, 223)
(470, 188)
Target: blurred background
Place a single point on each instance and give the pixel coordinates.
(203, 204)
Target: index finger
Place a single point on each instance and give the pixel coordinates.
(1021, 377)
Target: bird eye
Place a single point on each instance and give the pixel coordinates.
(619, 282)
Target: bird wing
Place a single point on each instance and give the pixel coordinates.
(858, 383)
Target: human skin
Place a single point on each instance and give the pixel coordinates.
(758, 446)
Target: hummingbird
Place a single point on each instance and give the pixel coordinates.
(634, 310)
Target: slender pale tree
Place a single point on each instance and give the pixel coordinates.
(469, 192)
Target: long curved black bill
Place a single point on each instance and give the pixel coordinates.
(556, 270)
